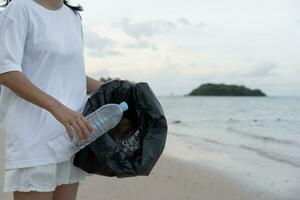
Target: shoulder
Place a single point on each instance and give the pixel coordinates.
(16, 10)
(78, 18)
(73, 13)
(78, 15)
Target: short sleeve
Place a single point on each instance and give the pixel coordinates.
(81, 33)
(12, 42)
(81, 28)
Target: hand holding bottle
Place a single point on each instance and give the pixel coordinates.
(102, 120)
(72, 119)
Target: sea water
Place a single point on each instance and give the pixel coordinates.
(257, 139)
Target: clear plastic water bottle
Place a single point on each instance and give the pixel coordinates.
(102, 120)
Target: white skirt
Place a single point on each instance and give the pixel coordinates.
(42, 178)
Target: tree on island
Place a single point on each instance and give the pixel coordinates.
(210, 89)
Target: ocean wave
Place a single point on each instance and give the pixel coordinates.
(293, 161)
(264, 138)
(201, 138)
(215, 142)
(180, 134)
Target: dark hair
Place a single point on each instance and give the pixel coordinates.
(75, 9)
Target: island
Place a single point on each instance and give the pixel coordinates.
(210, 89)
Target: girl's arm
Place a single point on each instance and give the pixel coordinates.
(26, 89)
(92, 84)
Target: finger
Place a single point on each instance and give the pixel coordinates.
(83, 127)
(87, 122)
(69, 130)
(77, 129)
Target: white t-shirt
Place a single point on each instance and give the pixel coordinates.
(47, 47)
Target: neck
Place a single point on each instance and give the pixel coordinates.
(51, 4)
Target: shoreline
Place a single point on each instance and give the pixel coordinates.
(170, 179)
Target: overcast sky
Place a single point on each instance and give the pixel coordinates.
(176, 45)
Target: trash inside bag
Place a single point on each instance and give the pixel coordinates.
(133, 147)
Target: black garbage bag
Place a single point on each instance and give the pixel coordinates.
(134, 146)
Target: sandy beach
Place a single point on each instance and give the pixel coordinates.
(171, 178)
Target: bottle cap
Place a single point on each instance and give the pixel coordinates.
(124, 106)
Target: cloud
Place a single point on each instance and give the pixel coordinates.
(262, 70)
(141, 44)
(150, 28)
(183, 21)
(99, 46)
(298, 21)
(200, 25)
(143, 31)
(146, 29)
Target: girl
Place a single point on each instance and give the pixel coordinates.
(43, 92)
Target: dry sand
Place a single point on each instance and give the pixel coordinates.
(170, 179)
